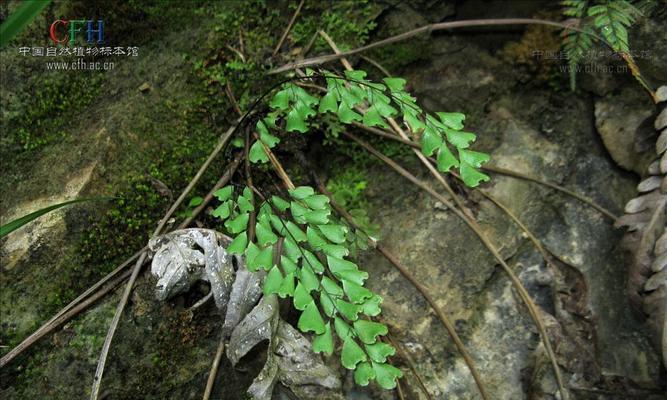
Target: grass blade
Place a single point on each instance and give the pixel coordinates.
(23, 16)
(19, 222)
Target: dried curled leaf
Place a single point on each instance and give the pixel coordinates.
(260, 324)
(185, 256)
(246, 291)
(290, 359)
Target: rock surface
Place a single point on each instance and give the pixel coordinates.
(163, 351)
(621, 120)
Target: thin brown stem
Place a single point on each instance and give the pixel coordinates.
(583, 199)
(232, 99)
(241, 43)
(56, 320)
(408, 360)
(523, 294)
(94, 394)
(201, 302)
(497, 170)
(336, 50)
(248, 180)
(237, 52)
(399, 390)
(424, 29)
(310, 44)
(277, 166)
(288, 29)
(214, 368)
(224, 179)
(376, 65)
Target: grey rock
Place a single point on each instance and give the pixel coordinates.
(617, 119)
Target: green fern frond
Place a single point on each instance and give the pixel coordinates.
(604, 19)
(576, 44)
(612, 19)
(574, 8)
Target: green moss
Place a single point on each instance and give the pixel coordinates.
(349, 23)
(48, 104)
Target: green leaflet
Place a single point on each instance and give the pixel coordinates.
(343, 330)
(347, 115)
(301, 297)
(286, 288)
(446, 159)
(195, 201)
(452, 120)
(273, 281)
(311, 320)
(473, 158)
(288, 265)
(372, 117)
(469, 161)
(351, 354)
(280, 100)
(239, 244)
(251, 253)
(348, 310)
(328, 103)
(317, 217)
(296, 122)
(344, 269)
(238, 224)
(317, 202)
(264, 234)
(279, 203)
(313, 262)
(334, 233)
(460, 139)
(395, 84)
(355, 75)
(302, 192)
(335, 250)
(291, 249)
(257, 154)
(471, 176)
(323, 343)
(386, 375)
(379, 351)
(223, 210)
(430, 141)
(327, 303)
(245, 205)
(224, 193)
(264, 259)
(298, 212)
(295, 232)
(331, 287)
(356, 293)
(308, 278)
(314, 239)
(372, 306)
(368, 331)
(364, 374)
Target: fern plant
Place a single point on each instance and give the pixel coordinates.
(304, 249)
(608, 20)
